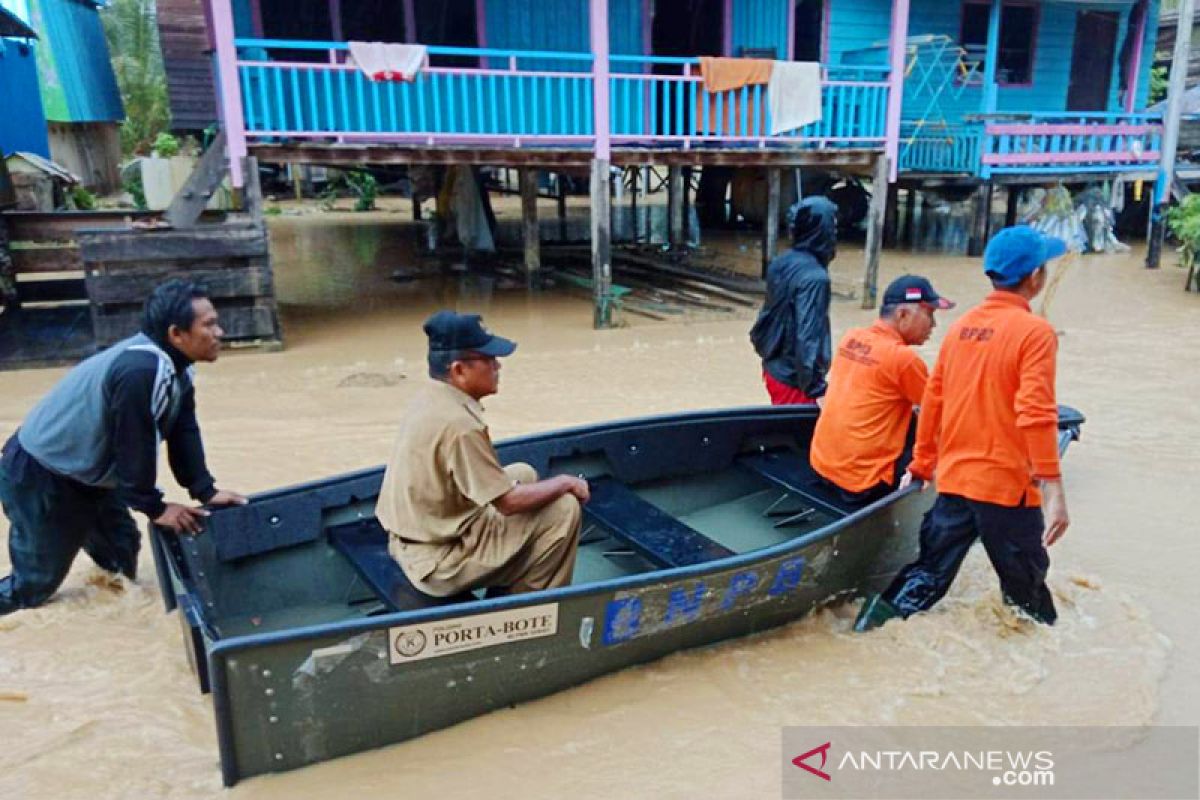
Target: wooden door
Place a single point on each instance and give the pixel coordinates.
(1092, 60)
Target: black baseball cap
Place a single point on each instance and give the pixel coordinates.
(914, 289)
(448, 331)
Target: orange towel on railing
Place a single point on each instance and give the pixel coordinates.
(731, 116)
(724, 74)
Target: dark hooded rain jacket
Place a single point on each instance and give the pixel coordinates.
(791, 334)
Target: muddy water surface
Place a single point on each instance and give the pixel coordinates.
(95, 695)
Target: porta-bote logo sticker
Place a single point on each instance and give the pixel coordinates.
(461, 634)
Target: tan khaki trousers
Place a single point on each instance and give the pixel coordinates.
(522, 552)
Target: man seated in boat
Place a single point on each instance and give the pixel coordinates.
(459, 520)
(875, 381)
(88, 452)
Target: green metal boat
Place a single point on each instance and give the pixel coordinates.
(702, 526)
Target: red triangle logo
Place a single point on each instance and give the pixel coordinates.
(818, 771)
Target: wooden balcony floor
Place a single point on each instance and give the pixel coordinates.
(855, 160)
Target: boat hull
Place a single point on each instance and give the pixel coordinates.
(304, 693)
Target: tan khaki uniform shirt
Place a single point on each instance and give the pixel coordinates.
(443, 472)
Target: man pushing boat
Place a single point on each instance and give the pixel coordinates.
(459, 520)
(88, 452)
(988, 425)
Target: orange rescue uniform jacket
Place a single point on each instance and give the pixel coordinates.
(875, 380)
(988, 418)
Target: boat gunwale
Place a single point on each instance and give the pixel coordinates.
(234, 644)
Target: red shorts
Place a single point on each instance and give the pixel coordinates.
(784, 395)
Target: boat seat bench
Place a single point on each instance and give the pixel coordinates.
(791, 472)
(653, 533)
(364, 543)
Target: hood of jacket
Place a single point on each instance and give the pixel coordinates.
(813, 224)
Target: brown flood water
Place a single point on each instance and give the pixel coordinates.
(95, 695)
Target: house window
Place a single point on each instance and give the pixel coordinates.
(1018, 39)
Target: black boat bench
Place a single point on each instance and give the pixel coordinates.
(791, 472)
(651, 532)
(364, 543)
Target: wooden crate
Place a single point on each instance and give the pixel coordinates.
(230, 260)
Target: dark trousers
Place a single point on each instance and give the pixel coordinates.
(50, 520)
(1012, 538)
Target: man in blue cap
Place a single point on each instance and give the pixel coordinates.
(791, 334)
(458, 519)
(988, 426)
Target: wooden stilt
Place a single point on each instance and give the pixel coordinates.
(1012, 196)
(770, 236)
(687, 206)
(675, 209)
(529, 221)
(891, 215)
(879, 183)
(601, 246)
(979, 223)
(561, 184)
(910, 216)
(633, 209)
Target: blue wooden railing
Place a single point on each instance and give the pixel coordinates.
(1071, 142)
(545, 96)
(1042, 143)
(940, 148)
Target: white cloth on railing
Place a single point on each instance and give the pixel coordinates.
(794, 95)
(383, 61)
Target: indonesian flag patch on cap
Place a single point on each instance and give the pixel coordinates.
(913, 293)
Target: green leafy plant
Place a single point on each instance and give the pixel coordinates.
(133, 186)
(82, 199)
(365, 188)
(165, 145)
(1158, 84)
(1184, 222)
(272, 211)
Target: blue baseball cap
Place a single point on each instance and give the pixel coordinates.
(449, 332)
(1016, 252)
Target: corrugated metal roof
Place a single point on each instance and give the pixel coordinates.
(11, 25)
(76, 76)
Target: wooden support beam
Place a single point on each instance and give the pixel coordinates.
(529, 221)
(252, 196)
(675, 209)
(910, 216)
(634, 174)
(189, 203)
(1013, 196)
(601, 246)
(561, 185)
(979, 221)
(687, 206)
(891, 216)
(879, 184)
(1170, 140)
(770, 234)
